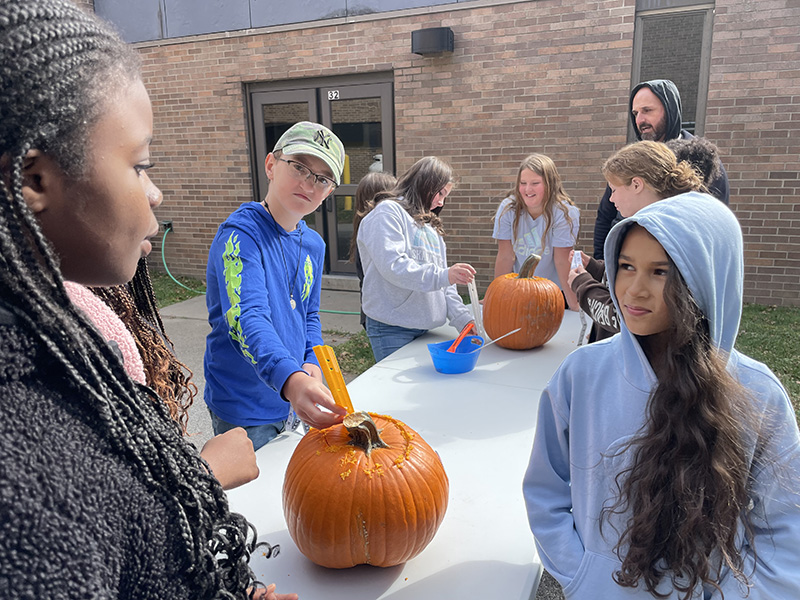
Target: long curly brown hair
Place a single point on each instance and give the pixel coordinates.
(135, 303)
(687, 488)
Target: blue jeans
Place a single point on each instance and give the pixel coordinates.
(258, 434)
(385, 339)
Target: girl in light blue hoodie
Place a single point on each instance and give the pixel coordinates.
(665, 463)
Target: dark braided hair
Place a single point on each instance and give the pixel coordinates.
(135, 303)
(688, 486)
(59, 69)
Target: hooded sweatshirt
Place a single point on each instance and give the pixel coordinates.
(597, 401)
(667, 93)
(257, 340)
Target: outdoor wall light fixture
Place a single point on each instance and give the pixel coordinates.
(432, 41)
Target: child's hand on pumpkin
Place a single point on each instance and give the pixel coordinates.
(308, 396)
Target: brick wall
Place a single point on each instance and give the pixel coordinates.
(754, 117)
(540, 76)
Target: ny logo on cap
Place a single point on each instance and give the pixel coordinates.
(322, 139)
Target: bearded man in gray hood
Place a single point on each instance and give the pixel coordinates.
(655, 113)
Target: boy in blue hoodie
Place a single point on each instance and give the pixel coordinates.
(264, 278)
(664, 461)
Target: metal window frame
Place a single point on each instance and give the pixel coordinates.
(650, 8)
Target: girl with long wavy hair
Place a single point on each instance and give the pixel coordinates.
(665, 463)
(102, 497)
(638, 175)
(537, 217)
(408, 287)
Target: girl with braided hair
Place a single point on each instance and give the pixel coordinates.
(149, 358)
(101, 496)
(666, 464)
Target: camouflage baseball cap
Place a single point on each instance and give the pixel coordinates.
(316, 140)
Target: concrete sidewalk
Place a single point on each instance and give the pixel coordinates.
(187, 326)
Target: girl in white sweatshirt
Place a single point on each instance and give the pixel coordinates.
(408, 288)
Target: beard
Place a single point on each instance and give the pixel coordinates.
(657, 133)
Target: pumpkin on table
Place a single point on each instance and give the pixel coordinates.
(367, 491)
(534, 304)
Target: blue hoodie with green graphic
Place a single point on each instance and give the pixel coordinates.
(257, 340)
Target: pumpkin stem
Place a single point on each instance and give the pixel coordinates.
(529, 266)
(363, 432)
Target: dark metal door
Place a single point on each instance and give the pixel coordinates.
(361, 115)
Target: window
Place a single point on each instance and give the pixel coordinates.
(673, 41)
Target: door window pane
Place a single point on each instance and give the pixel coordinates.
(672, 47)
(279, 117)
(357, 123)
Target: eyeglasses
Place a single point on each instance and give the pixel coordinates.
(302, 173)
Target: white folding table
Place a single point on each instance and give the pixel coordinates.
(481, 423)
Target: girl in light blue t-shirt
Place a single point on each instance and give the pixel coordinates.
(537, 217)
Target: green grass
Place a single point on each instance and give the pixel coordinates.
(168, 292)
(771, 335)
(355, 355)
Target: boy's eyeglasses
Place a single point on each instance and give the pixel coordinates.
(302, 173)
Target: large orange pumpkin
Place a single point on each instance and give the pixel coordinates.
(534, 304)
(367, 491)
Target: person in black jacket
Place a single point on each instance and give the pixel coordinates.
(655, 112)
(100, 495)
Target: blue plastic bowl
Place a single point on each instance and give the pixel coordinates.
(462, 360)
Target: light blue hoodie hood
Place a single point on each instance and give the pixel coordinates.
(598, 400)
(703, 238)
